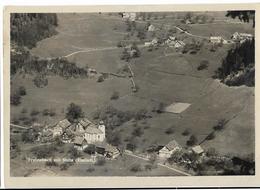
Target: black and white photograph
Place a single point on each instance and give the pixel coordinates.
(142, 94)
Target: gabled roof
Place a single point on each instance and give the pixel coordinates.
(79, 140)
(92, 129)
(197, 149)
(110, 148)
(85, 122)
(64, 123)
(172, 145)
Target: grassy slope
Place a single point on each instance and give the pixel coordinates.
(210, 100)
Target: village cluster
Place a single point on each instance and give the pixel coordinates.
(82, 134)
(85, 133)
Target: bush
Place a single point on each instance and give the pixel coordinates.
(22, 90)
(64, 166)
(169, 131)
(203, 65)
(15, 99)
(148, 167)
(210, 136)
(138, 132)
(40, 81)
(74, 112)
(192, 141)
(100, 78)
(220, 125)
(90, 169)
(136, 168)
(34, 112)
(186, 132)
(24, 110)
(115, 95)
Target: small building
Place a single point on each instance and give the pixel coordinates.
(151, 28)
(169, 149)
(241, 36)
(197, 150)
(147, 44)
(108, 151)
(66, 136)
(80, 143)
(179, 44)
(129, 16)
(60, 127)
(154, 41)
(188, 21)
(112, 152)
(95, 133)
(216, 39)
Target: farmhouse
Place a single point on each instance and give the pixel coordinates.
(80, 143)
(93, 133)
(216, 39)
(107, 150)
(168, 149)
(241, 37)
(129, 16)
(197, 150)
(60, 127)
(179, 44)
(151, 28)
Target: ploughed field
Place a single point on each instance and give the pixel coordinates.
(90, 40)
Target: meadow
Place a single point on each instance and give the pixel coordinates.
(160, 77)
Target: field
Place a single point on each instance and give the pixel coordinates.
(161, 76)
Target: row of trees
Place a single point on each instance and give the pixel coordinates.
(239, 65)
(24, 62)
(29, 28)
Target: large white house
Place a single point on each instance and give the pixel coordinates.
(169, 149)
(90, 131)
(84, 128)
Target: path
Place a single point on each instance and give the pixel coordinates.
(162, 165)
(19, 126)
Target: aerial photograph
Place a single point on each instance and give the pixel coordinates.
(132, 94)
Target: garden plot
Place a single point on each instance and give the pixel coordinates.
(177, 107)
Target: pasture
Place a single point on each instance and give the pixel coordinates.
(160, 77)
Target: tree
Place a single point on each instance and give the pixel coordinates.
(192, 140)
(137, 52)
(22, 90)
(115, 95)
(125, 55)
(245, 15)
(74, 112)
(40, 81)
(15, 98)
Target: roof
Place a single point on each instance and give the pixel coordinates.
(92, 129)
(110, 148)
(85, 122)
(172, 145)
(197, 149)
(64, 123)
(79, 140)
